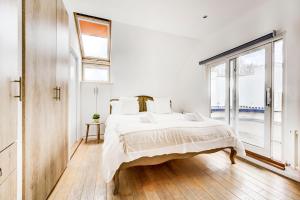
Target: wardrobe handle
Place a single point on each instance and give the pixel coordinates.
(57, 94)
(0, 172)
(20, 88)
(58, 90)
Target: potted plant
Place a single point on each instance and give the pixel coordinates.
(96, 118)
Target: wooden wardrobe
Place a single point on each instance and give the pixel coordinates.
(45, 88)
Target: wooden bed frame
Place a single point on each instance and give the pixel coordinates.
(155, 160)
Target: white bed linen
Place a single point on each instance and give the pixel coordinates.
(118, 126)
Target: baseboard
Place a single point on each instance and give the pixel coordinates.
(75, 147)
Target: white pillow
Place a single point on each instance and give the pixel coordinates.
(162, 105)
(129, 106)
(150, 106)
(115, 107)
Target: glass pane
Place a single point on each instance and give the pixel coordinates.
(96, 74)
(277, 100)
(217, 90)
(95, 46)
(251, 84)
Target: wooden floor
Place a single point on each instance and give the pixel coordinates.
(202, 177)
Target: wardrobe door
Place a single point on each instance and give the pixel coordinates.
(10, 87)
(41, 165)
(8, 72)
(62, 78)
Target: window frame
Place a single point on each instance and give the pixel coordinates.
(89, 59)
(95, 67)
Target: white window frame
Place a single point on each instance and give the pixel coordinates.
(87, 59)
(96, 67)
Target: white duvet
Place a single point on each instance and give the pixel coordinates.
(129, 137)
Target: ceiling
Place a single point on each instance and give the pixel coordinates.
(179, 17)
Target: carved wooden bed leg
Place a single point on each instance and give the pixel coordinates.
(232, 155)
(117, 182)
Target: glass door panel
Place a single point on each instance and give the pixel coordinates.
(251, 82)
(218, 92)
(251, 117)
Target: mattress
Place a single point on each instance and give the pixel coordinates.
(129, 137)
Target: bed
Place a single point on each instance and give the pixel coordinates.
(129, 141)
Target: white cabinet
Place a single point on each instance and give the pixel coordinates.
(94, 98)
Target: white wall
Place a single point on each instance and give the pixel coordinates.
(147, 62)
(74, 82)
(273, 15)
(144, 62)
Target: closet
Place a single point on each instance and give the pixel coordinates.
(45, 91)
(34, 75)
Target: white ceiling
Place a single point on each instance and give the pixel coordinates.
(180, 17)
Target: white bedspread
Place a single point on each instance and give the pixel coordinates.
(129, 137)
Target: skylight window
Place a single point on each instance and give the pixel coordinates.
(94, 37)
(95, 44)
(95, 47)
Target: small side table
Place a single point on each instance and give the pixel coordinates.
(88, 129)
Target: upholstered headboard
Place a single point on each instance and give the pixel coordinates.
(142, 102)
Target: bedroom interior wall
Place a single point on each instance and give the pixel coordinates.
(75, 51)
(273, 15)
(144, 62)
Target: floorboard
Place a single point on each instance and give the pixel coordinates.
(204, 177)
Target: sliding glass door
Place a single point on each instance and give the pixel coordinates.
(252, 104)
(241, 90)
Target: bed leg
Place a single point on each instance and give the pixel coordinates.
(117, 182)
(232, 155)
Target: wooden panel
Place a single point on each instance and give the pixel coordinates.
(8, 161)
(8, 190)
(266, 160)
(44, 134)
(8, 71)
(62, 79)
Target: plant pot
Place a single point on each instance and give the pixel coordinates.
(96, 120)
